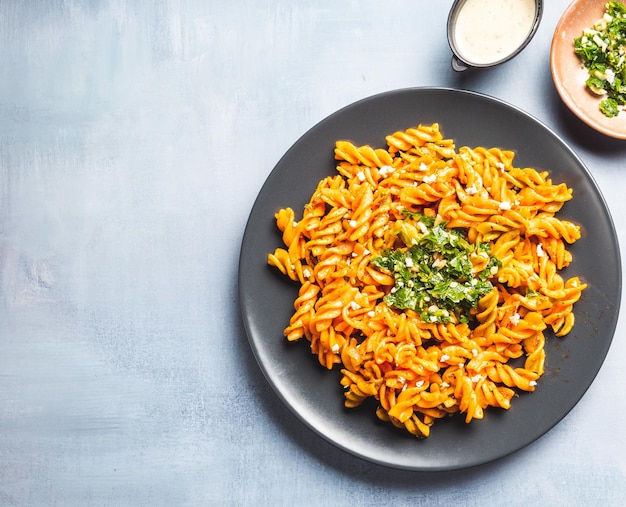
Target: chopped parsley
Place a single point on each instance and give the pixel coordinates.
(433, 272)
(602, 48)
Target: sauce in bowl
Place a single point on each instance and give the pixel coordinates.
(486, 32)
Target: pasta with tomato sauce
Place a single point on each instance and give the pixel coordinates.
(429, 275)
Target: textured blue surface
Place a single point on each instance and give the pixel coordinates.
(134, 138)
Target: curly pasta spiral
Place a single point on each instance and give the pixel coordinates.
(420, 371)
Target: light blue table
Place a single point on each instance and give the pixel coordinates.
(134, 138)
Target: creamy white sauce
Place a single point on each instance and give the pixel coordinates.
(487, 31)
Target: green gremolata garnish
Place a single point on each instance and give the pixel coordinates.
(602, 49)
(434, 273)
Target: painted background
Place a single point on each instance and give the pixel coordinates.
(134, 137)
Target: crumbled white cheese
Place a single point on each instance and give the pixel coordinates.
(474, 352)
(360, 175)
(532, 383)
(419, 383)
(353, 223)
(476, 378)
(444, 358)
(431, 178)
(371, 313)
(408, 262)
(423, 167)
(540, 252)
(386, 170)
(471, 190)
(515, 318)
(335, 348)
(439, 263)
(306, 273)
(596, 38)
(354, 305)
(610, 75)
(504, 205)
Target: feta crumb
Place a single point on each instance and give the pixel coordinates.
(360, 175)
(514, 319)
(353, 223)
(431, 178)
(335, 348)
(386, 170)
(540, 252)
(474, 352)
(471, 190)
(306, 273)
(610, 75)
(444, 358)
(354, 305)
(596, 38)
(423, 167)
(504, 205)
(408, 262)
(532, 383)
(419, 383)
(371, 313)
(476, 378)
(439, 263)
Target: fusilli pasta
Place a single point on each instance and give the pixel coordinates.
(424, 361)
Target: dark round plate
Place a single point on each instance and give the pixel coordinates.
(314, 394)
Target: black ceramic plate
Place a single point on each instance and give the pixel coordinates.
(314, 394)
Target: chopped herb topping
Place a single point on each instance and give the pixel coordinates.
(602, 50)
(434, 272)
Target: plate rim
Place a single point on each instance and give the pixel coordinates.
(330, 118)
